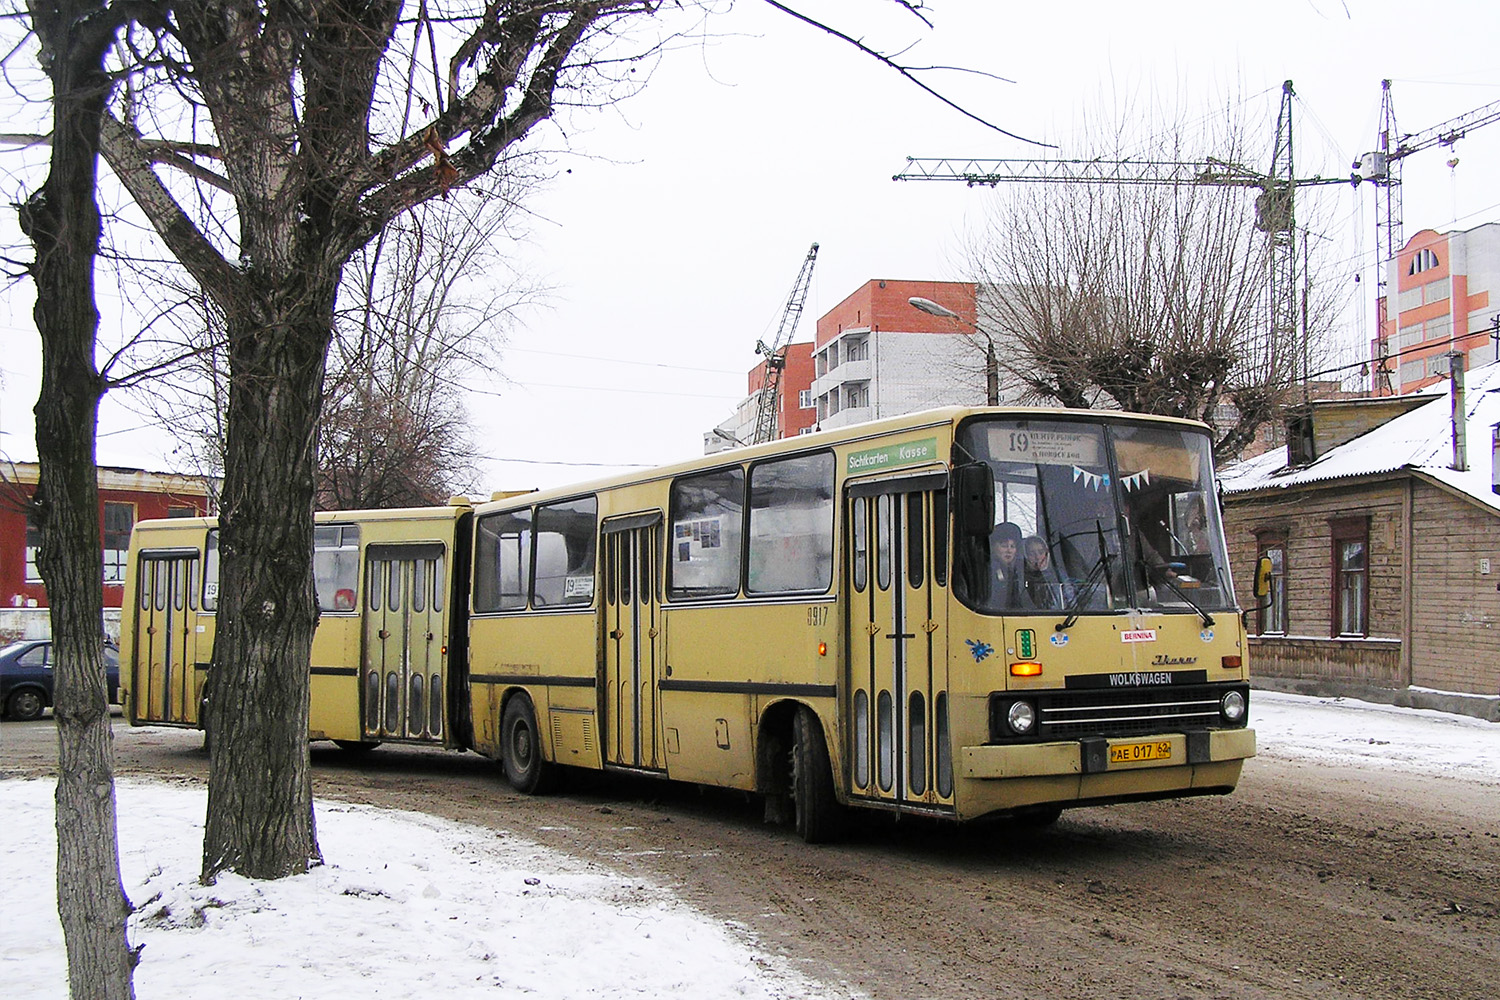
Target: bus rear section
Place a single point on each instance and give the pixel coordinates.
(167, 621)
(388, 656)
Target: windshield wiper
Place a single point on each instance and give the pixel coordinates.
(1099, 572)
(1207, 618)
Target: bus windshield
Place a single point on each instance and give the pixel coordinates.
(1093, 517)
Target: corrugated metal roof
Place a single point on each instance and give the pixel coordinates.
(1419, 440)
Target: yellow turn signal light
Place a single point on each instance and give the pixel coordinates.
(1231, 662)
(822, 649)
(1026, 668)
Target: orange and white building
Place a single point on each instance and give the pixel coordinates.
(1444, 297)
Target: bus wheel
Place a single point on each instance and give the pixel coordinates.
(819, 817)
(521, 749)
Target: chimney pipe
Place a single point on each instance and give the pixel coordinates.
(1460, 413)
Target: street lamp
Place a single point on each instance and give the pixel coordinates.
(991, 362)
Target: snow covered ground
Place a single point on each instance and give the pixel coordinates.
(411, 905)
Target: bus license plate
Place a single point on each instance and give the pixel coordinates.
(1130, 753)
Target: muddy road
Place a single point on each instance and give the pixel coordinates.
(1309, 882)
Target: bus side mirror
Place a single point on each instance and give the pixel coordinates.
(974, 500)
(1263, 577)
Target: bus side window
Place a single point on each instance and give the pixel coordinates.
(791, 525)
(707, 515)
(940, 539)
(336, 565)
(565, 534)
(502, 561)
(861, 532)
(211, 572)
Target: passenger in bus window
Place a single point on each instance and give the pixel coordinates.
(1043, 586)
(1007, 585)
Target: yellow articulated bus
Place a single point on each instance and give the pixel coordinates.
(957, 613)
(391, 588)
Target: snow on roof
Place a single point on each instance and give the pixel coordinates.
(1419, 440)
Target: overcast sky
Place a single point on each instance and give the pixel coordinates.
(677, 222)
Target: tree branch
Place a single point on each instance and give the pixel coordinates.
(131, 164)
(906, 71)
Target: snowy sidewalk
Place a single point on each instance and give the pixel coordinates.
(1345, 731)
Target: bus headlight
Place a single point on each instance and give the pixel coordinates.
(1021, 717)
(1233, 706)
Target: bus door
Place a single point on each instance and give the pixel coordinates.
(164, 674)
(898, 677)
(405, 642)
(632, 641)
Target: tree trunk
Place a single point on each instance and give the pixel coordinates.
(62, 221)
(260, 813)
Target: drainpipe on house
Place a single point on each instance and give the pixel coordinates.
(1460, 415)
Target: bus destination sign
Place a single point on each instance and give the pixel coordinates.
(893, 456)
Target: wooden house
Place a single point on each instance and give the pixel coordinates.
(1382, 521)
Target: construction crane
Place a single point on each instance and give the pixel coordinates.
(1275, 213)
(1382, 168)
(775, 352)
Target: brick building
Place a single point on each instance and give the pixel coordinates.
(795, 413)
(125, 496)
(875, 355)
(1387, 558)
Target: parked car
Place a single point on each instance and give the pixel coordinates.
(26, 677)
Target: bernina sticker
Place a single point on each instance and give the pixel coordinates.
(1138, 635)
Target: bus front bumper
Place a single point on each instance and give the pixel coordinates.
(1100, 756)
(995, 779)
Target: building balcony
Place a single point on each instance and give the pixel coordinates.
(848, 415)
(849, 371)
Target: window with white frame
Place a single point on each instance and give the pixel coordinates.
(804, 399)
(1272, 613)
(1351, 576)
(119, 518)
(33, 547)
(1422, 260)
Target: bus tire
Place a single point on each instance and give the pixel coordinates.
(818, 815)
(521, 749)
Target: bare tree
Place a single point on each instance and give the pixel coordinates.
(311, 165)
(1150, 298)
(62, 221)
(422, 307)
